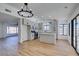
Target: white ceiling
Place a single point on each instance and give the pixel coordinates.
(48, 10)
(8, 18)
(42, 11)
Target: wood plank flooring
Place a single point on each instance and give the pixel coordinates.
(10, 47)
(37, 48)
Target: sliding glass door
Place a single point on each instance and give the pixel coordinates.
(77, 34)
(73, 33)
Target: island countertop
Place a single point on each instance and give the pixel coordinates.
(48, 37)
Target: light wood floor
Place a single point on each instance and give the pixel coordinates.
(10, 47)
(37, 48)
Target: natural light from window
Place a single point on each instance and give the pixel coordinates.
(12, 30)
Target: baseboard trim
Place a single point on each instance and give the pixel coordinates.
(8, 36)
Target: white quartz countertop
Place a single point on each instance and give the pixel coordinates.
(47, 33)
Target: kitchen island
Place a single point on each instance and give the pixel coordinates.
(48, 38)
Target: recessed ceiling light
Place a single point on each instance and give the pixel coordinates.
(36, 16)
(30, 9)
(42, 16)
(65, 7)
(38, 9)
(49, 16)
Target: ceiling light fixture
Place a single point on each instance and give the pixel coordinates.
(42, 16)
(36, 16)
(65, 7)
(25, 11)
(49, 16)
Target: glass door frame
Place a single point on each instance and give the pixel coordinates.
(73, 28)
(72, 33)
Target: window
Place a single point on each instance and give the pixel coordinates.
(12, 30)
(63, 29)
(60, 29)
(46, 27)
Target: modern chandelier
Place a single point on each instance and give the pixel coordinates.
(25, 11)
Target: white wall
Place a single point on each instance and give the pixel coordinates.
(73, 14)
(62, 36)
(1, 34)
(22, 31)
(3, 30)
